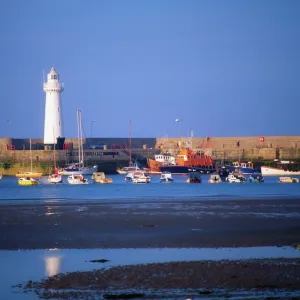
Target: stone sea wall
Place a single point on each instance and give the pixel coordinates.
(230, 148)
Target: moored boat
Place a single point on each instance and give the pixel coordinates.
(188, 161)
(77, 169)
(131, 168)
(279, 168)
(99, 177)
(166, 177)
(235, 178)
(163, 159)
(27, 181)
(140, 177)
(55, 178)
(29, 174)
(77, 179)
(0, 176)
(256, 178)
(288, 179)
(214, 178)
(194, 177)
(243, 167)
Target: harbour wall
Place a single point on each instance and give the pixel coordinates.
(229, 148)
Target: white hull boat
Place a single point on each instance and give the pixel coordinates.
(55, 178)
(215, 178)
(77, 179)
(288, 180)
(140, 177)
(78, 171)
(270, 171)
(235, 178)
(166, 177)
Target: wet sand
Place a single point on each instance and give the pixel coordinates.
(206, 278)
(144, 224)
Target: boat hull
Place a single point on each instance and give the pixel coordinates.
(79, 171)
(186, 169)
(243, 170)
(55, 180)
(27, 182)
(269, 171)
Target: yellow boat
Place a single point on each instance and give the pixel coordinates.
(29, 174)
(99, 177)
(27, 181)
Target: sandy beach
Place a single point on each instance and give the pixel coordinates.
(137, 224)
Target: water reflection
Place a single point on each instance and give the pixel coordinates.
(51, 210)
(52, 265)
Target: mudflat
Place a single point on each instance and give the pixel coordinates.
(146, 223)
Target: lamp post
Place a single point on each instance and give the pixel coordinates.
(178, 121)
(92, 122)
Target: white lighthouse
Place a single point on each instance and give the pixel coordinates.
(53, 110)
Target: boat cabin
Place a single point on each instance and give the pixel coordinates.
(238, 164)
(165, 158)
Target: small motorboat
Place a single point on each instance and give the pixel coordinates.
(129, 176)
(140, 177)
(137, 174)
(235, 178)
(0, 176)
(55, 178)
(166, 177)
(27, 181)
(99, 177)
(256, 178)
(77, 179)
(215, 178)
(129, 169)
(288, 179)
(194, 177)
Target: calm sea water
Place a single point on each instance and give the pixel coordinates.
(120, 190)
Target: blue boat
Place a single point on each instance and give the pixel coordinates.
(256, 178)
(244, 167)
(166, 177)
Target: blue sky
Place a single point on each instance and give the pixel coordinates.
(225, 68)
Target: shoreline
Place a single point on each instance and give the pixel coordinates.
(150, 224)
(176, 279)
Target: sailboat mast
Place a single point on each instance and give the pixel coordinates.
(78, 136)
(81, 144)
(130, 161)
(30, 156)
(54, 159)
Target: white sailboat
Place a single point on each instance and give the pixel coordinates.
(55, 177)
(79, 168)
(27, 178)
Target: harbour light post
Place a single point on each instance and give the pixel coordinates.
(53, 109)
(178, 121)
(92, 122)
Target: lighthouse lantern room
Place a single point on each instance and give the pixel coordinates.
(53, 109)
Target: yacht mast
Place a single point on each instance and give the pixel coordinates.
(30, 156)
(130, 160)
(78, 136)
